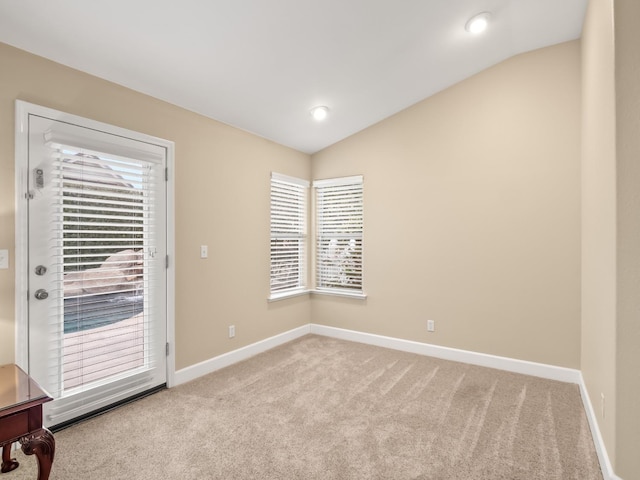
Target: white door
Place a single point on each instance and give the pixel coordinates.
(96, 261)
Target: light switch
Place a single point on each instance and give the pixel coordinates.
(4, 258)
(204, 251)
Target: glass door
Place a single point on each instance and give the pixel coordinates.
(96, 259)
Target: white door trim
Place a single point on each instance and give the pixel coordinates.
(23, 109)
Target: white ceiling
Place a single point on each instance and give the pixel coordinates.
(260, 65)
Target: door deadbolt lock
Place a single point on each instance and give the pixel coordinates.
(41, 270)
(41, 294)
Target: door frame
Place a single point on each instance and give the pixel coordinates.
(22, 111)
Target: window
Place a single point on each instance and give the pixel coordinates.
(288, 234)
(339, 226)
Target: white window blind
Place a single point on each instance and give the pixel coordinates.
(339, 232)
(288, 233)
(104, 243)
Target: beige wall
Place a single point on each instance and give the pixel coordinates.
(472, 214)
(611, 225)
(599, 216)
(627, 60)
(222, 200)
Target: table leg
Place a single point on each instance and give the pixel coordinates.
(43, 445)
(8, 463)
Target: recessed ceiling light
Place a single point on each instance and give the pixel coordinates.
(478, 23)
(320, 112)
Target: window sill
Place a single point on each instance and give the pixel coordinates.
(274, 297)
(341, 293)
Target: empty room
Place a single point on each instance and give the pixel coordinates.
(354, 239)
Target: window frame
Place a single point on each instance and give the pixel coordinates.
(298, 190)
(327, 231)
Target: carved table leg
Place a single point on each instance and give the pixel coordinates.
(8, 463)
(43, 445)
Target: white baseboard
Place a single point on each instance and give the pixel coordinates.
(551, 372)
(601, 450)
(216, 363)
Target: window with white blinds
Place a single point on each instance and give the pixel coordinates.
(339, 232)
(288, 234)
(104, 232)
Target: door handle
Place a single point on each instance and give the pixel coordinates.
(41, 294)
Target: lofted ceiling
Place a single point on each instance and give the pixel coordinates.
(260, 65)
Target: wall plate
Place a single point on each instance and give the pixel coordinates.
(4, 258)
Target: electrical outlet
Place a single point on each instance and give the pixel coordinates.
(204, 251)
(232, 331)
(4, 258)
(431, 325)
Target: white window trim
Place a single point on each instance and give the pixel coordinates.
(356, 294)
(326, 292)
(338, 181)
(286, 178)
(340, 293)
(274, 297)
(303, 289)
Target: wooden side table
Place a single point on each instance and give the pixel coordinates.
(21, 400)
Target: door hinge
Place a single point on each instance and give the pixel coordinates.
(29, 195)
(166, 174)
(166, 261)
(167, 349)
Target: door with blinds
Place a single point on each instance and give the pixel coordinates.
(97, 249)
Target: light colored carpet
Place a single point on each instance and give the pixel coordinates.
(320, 408)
